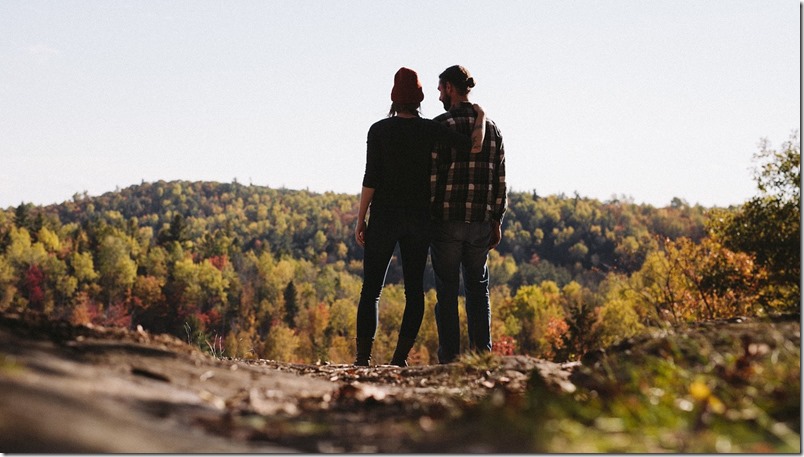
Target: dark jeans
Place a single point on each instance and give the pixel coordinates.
(461, 247)
(387, 227)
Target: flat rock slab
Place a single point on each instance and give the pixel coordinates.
(68, 389)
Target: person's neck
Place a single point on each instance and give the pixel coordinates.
(406, 115)
(458, 101)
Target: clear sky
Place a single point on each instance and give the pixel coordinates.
(647, 99)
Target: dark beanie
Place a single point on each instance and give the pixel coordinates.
(407, 87)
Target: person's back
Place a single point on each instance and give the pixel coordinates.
(468, 203)
(399, 171)
(464, 186)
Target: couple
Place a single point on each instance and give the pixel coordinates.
(431, 184)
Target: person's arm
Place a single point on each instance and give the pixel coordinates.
(500, 196)
(453, 138)
(474, 143)
(371, 180)
(496, 234)
(479, 130)
(360, 229)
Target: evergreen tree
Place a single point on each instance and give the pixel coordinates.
(291, 306)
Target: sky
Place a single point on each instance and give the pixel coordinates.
(645, 100)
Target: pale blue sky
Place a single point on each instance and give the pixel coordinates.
(649, 99)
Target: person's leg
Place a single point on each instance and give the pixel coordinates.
(445, 253)
(413, 249)
(380, 244)
(476, 283)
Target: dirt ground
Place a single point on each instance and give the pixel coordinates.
(67, 389)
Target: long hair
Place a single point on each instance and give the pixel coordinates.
(412, 108)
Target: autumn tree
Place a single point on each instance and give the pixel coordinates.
(580, 305)
(622, 314)
(769, 225)
(341, 330)
(535, 319)
(281, 344)
(116, 268)
(686, 281)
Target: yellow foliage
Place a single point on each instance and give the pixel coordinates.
(617, 319)
(341, 350)
(281, 344)
(697, 281)
(342, 318)
(49, 240)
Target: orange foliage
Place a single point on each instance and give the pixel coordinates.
(710, 281)
(554, 336)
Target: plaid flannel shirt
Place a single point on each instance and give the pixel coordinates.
(463, 186)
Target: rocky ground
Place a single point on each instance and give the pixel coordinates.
(716, 387)
(72, 389)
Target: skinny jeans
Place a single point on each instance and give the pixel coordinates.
(461, 248)
(387, 226)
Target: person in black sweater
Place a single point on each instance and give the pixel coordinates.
(396, 189)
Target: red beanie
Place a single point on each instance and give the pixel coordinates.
(407, 88)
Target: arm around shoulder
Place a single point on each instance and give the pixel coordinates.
(479, 130)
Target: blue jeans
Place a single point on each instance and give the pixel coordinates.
(410, 228)
(461, 247)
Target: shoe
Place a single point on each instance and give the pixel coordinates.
(403, 347)
(363, 358)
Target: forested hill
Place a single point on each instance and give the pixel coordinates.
(573, 233)
(251, 271)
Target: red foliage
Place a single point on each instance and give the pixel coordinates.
(88, 311)
(34, 278)
(504, 345)
(208, 319)
(116, 315)
(213, 318)
(203, 319)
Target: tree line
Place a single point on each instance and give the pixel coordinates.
(251, 271)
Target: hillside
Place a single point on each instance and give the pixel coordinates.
(720, 386)
(228, 263)
(553, 227)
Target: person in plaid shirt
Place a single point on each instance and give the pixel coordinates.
(468, 201)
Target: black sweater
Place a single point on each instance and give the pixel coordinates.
(398, 159)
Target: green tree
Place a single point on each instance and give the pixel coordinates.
(84, 267)
(342, 318)
(291, 306)
(618, 318)
(501, 268)
(116, 267)
(769, 225)
(7, 283)
(537, 312)
(580, 305)
(22, 216)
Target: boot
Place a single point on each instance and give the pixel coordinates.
(363, 352)
(403, 346)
